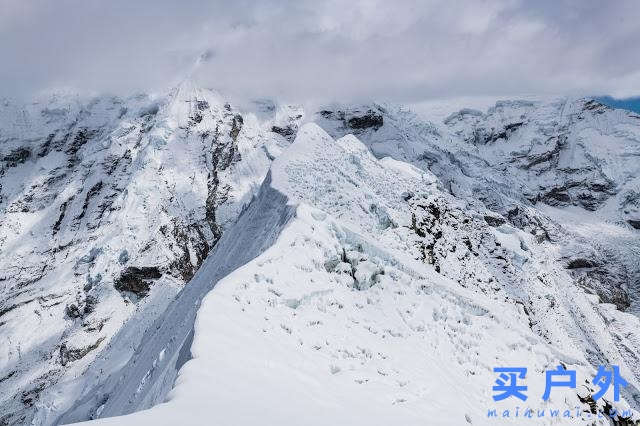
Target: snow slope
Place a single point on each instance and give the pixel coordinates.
(343, 321)
(165, 345)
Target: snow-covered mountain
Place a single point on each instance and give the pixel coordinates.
(109, 207)
(370, 266)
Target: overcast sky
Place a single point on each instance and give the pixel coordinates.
(393, 50)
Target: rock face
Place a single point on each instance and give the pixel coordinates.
(17, 156)
(356, 120)
(137, 280)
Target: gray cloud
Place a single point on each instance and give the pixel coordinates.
(301, 50)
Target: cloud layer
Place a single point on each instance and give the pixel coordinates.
(403, 51)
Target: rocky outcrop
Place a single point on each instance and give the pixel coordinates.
(369, 120)
(17, 156)
(356, 120)
(460, 245)
(83, 306)
(287, 132)
(137, 280)
(68, 354)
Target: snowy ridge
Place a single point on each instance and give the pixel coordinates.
(343, 321)
(165, 345)
(376, 274)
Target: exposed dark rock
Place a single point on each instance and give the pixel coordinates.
(581, 263)
(330, 114)
(28, 276)
(483, 135)
(288, 132)
(196, 118)
(593, 406)
(634, 223)
(68, 355)
(137, 280)
(92, 192)
(370, 119)
(63, 210)
(595, 106)
(236, 127)
(223, 153)
(586, 193)
(82, 307)
(555, 145)
(356, 120)
(90, 304)
(6, 309)
(17, 156)
(29, 397)
(95, 325)
(513, 126)
(8, 376)
(81, 138)
(189, 239)
(616, 417)
(556, 196)
(45, 148)
(588, 200)
(609, 412)
(111, 163)
(494, 220)
(104, 205)
(73, 311)
(449, 234)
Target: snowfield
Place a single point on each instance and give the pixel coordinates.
(367, 267)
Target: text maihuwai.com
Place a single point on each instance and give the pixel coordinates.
(510, 383)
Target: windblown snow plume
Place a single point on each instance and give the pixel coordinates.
(182, 261)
